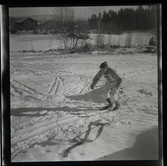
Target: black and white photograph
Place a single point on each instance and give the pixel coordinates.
(84, 83)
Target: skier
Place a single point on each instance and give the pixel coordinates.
(112, 84)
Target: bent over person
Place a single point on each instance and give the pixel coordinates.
(112, 84)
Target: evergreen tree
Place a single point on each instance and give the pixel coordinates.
(125, 20)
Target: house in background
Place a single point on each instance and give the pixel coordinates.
(26, 24)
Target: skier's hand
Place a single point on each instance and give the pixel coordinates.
(91, 87)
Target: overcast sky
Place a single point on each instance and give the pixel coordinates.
(82, 11)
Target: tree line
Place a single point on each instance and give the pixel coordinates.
(111, 22)
(71, 30)
(127, 19)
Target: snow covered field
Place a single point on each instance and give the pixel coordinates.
(33, 42)
(55, 116)
(29, 42)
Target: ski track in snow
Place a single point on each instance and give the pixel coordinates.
(66, 99)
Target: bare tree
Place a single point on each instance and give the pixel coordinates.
(70, 29)
(100, 37)
(64, 18)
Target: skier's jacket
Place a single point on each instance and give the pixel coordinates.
(111, 76)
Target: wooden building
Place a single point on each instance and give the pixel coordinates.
(26, 24)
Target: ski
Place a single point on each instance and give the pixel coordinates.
(110, 108)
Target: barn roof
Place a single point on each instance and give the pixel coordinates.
(24, 19)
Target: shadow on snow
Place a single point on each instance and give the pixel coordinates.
(96, 95)
(76, 141)
(36, 112)
(144, 148)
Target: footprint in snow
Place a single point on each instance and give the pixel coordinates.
(48, 150)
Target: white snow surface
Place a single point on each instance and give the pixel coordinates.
(52, 106)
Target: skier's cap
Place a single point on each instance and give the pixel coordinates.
(103, 65)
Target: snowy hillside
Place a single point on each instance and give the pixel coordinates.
(55, 115)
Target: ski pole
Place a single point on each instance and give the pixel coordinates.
(123, 101)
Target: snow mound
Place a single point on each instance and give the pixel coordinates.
(96, 95)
